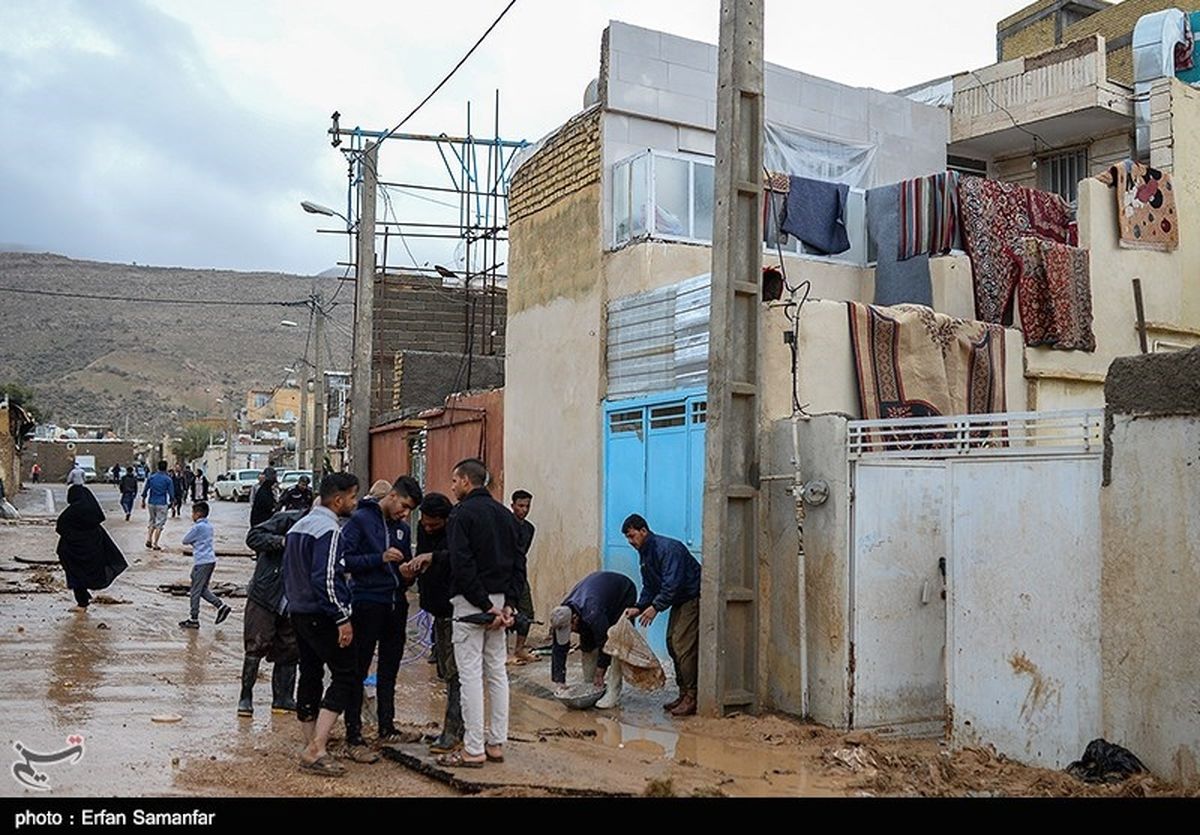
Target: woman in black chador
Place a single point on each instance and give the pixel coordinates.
(87, 553)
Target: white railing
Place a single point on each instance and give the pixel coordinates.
(1009, 434)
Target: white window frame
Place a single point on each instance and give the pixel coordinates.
(794, 248)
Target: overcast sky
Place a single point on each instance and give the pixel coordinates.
(185, 132)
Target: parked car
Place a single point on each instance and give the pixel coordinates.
(236, 486)
(291, 478)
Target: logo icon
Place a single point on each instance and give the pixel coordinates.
(25, 771)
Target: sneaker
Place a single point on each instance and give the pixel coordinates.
(223, 612)
(190, 624)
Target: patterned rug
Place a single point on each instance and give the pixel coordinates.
(994, 216)
(1055, 296)
(1145, 197)
(1049, 216)
(913, 362)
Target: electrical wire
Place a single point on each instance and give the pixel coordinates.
(1036, 138)
(804, 285)
(223, 302)
(442, 83)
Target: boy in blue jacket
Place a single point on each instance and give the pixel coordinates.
(376, 547)
(318, 596)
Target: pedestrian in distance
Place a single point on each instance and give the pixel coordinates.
(297, 497)
(76, 475)
(204, 563)
(670, 580)
(487, 576)
(115, 477)
(376, 547)
(320, 608)
(265, 499)
(522, 500)
(35, 473)
(432, 565)
(200, 488)
(128, 486)
(159, 490)
(88, 555)
(179, 488)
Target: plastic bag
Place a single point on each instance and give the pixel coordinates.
(639, 665)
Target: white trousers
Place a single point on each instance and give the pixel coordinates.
(481, 655)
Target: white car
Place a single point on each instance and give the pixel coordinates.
(292, 477)
(236, 486)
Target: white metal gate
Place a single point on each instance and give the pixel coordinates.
(1004, 509)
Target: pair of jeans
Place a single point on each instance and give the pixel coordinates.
(317, 636)
(201, 575)
(384, 625)
(127, 502)
(481, 655)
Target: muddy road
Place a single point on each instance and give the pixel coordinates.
(155, 705)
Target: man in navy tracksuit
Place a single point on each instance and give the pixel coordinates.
(376, 547)
(670, 580)
(318, 601)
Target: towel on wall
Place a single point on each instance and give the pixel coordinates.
(994, 216)
(929, 215)
(1145, 197)
(896, 281)
(1055, 296)
(815, 212)
(913, 362)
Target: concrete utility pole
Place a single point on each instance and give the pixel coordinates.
(302, 419)
(229, 435)
(318, 427)
(729, 585)
(361, 371)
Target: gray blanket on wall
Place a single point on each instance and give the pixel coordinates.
(896, 282)
(816, 214)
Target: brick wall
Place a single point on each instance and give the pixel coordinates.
(419, 315)
(1115, 24)
(56, 459)
(567, 162)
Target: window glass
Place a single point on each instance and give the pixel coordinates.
(639, 194)
(705, 196)
(671, 197)
(621, 202)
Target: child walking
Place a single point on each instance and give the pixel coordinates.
(200, 537)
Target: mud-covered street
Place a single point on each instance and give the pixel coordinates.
(155, 707)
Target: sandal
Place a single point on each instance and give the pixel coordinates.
(514, 661)
(324, 765)
(457, 759)
(488, 754)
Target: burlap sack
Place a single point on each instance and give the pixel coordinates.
(639, 665)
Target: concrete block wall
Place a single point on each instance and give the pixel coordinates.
(418, 314)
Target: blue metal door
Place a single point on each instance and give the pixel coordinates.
(653, 465)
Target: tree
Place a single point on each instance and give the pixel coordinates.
(23, 396)
(193, 443)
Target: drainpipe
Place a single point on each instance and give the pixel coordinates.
(798, 500)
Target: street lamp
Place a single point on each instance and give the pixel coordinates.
(317, 209)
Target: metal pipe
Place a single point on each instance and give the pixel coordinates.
(420, 137)
(416, 187)
(801, 568)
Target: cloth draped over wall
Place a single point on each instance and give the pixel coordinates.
(1145, 196)
(913, 362)
(815, 212)
(1055, 296)
(896, 281)
(928, 208)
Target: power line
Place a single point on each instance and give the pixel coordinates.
(224, 302)
(449, 75)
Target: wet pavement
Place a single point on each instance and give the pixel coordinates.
(155, 705)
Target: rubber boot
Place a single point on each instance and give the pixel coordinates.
(612, 686)
(283, 688)
(452, 727)
(249, 676)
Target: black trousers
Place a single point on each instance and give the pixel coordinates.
(317, 636)
(384, 625)
(82, 597)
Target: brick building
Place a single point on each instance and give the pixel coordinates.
(423, 333)
(1043, 25)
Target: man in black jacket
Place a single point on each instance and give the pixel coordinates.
(263, 504)
(487, 575)
(268, 631)
(432, 563)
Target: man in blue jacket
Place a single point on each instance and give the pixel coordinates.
(318, 602)
(376, 547)
(160, 490)
(670, 580)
